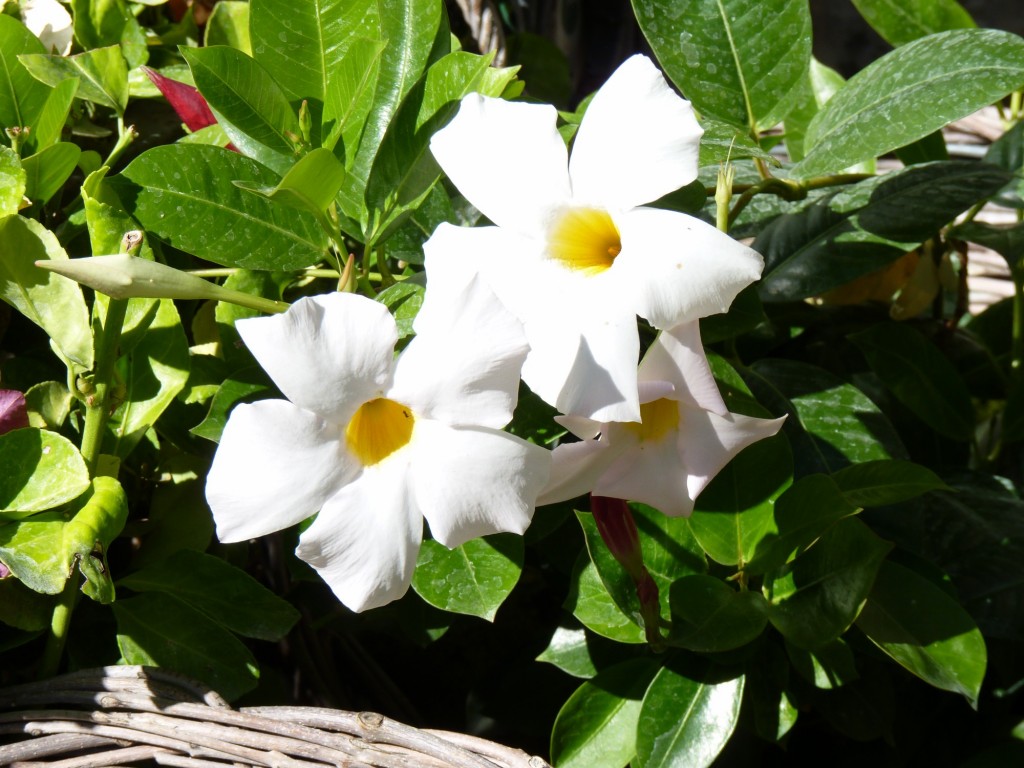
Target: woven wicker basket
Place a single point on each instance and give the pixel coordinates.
(146, 716)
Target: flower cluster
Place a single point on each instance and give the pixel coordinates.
(550, 293)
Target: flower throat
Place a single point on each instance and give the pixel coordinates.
(585, 240)
(379, 428)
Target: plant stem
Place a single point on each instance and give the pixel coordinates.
(1017, 338)
(60, 622)
(98, 403)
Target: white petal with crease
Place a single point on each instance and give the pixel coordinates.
(677, 357)
(276, 465)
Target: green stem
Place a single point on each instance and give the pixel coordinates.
(59, 625)
(1017, 338)
(98, 404)
(382, 264)
(125, 136)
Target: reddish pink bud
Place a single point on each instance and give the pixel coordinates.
(187, 101)
(13, 410)
(618, 530)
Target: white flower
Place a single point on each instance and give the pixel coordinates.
(375, 443)
(686, 436)
(574, 254)
(50, 22)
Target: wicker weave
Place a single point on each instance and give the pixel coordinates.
(146, 716)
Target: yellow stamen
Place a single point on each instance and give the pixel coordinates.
(585, 239)
(657, 419)
(379, 428)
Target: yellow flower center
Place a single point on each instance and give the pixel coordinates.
(657, 419)
(585, 239)
(379, 428)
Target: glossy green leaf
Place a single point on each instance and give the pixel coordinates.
(569, 650)
(48, 403)
(900, 21)
(589, 601)
(735, 511)
(684, 721)
(597, 726)
(102, 74)
(229, 25)
(349, 97)
(12, 182)
(269, 285)
(33, 550)
(474, 578)
(22, 608)
(22, 97)
(242, 386)
(404, 170)
(157, 629)
(803, 513)
(309, 185)
(1007, 241)
(669, 549)
(912, 92)
(154, 372)
(106, 22)
(737, 60)
(723, 142)
(41, 470)
(302, 44)
(878, 483)
(867, 226)
(920, 376)
(52, 302)
(238, 601)
(47, 170)
(828, 666)
(183, 194)
(925, 630)
(410, 28)
(404, 300)
(54, 114)
(830, 423)
(710, 616)
(819, 85)
(406, 242)
(249, 105)
(815, 598)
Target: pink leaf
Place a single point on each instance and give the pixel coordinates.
(13, 411)
(187, 101)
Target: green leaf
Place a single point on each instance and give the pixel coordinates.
(670, 551)
(820, 84)
(156, 629)
(403, 300)
(597, 726)
(803, 513)
(404, 170)
(48, 404)
(1007, 241)
(52, 302)
(920, 377)
(12, 182)
(349, 98)
(224, 593)
(88, 535)
(242, 386)
(41, 470)
(709, 616)
(229, 25)
(912, 92)
(410, 28)
(47, 170)
(878, 483)
(54, 114)
(739, 61)
(900, 22)
(22, 97)
(569, 650)
(867, 226)
(686, 721)
(815, 598)
(829, 666)
(269, 285)
(735, 511)
(302, 44)
(22, 608)
(309, 185)
(102, 74)
(106, 22)
(406, 242)
(589, 601)
(474, 578)
(830, 423)
(722, 142)
(154, 372)
(925, 631)
(247, 102)
(183, 194)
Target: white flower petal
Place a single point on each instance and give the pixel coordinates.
(365, 541)
(711, 441)
(275, 466)
(638, 141)
(50, 22)
(677, 357)
(472, 482)
(327, 354)
(463, 366)
(507, 159)
(583, 363)
(576, 468)
(679, 268)
(651, 472)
